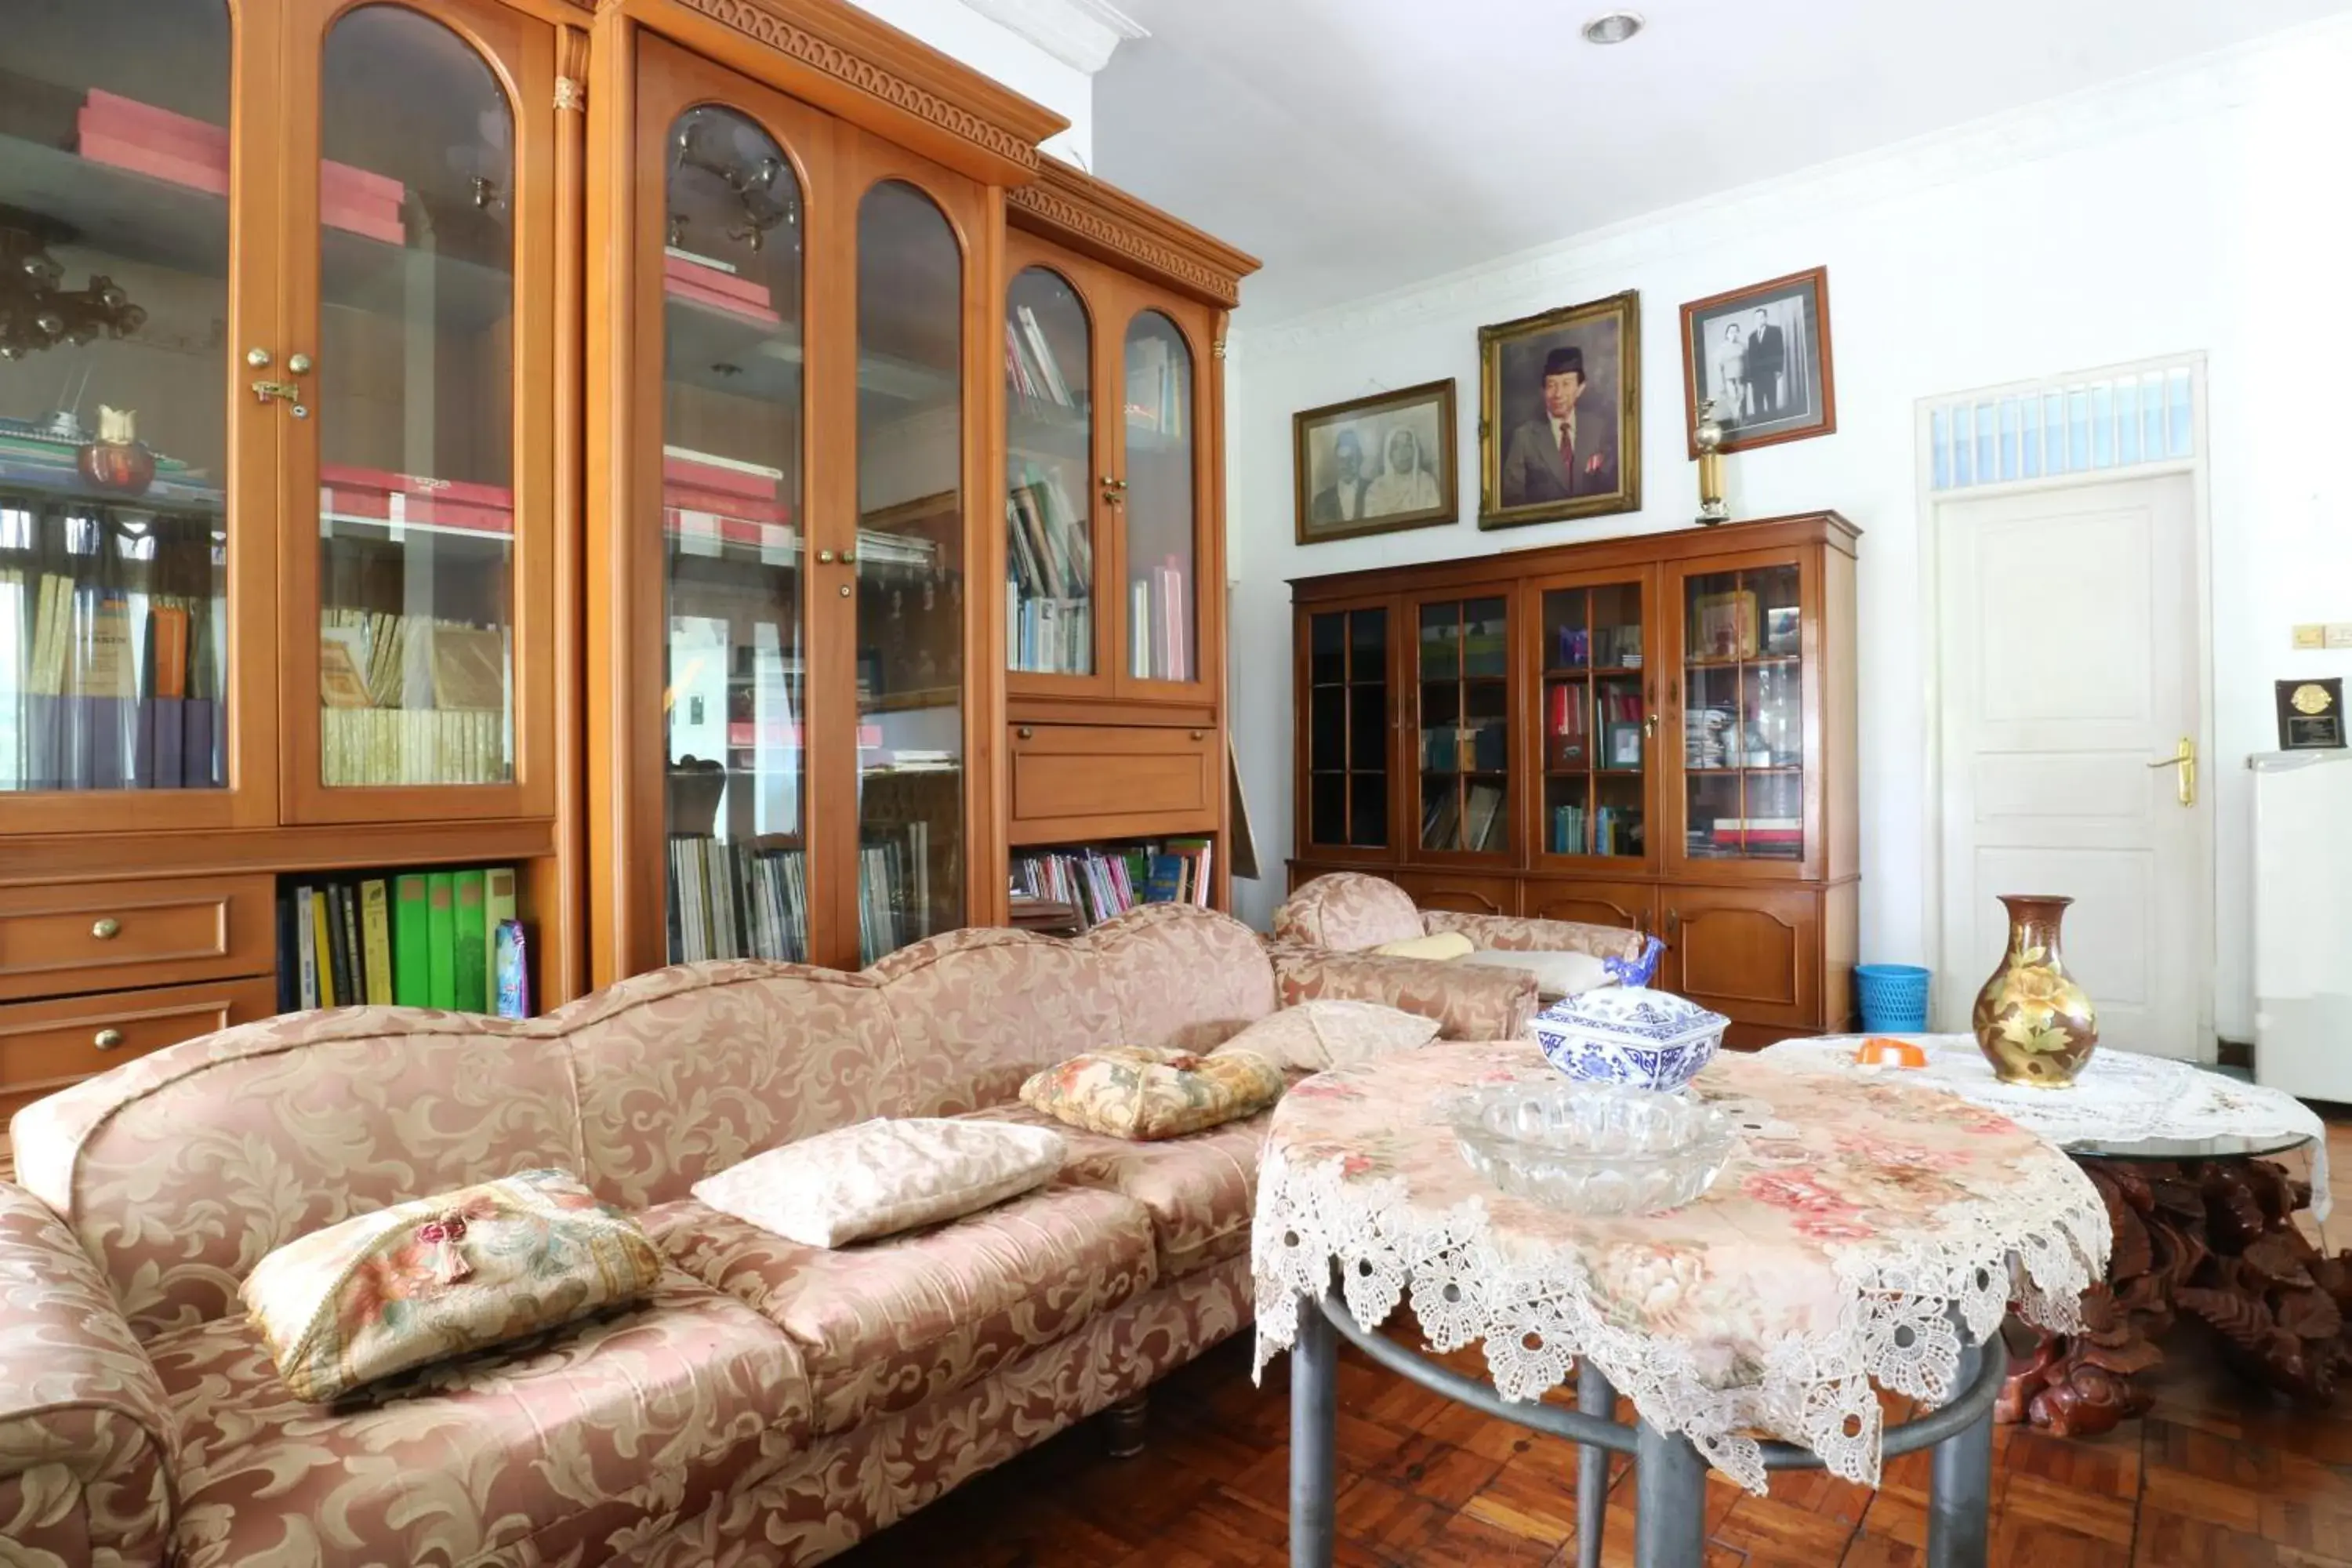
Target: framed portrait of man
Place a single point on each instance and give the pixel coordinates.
(1761, 355)
(1375, 465)
(1559, 414)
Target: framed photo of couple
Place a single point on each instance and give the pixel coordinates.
(1761, 355)
(1375, 465)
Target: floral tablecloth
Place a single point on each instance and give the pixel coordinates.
(2121, 1096)
(1850, 1222)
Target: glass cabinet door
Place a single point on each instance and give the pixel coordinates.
(1743, 761)
(1597, 723)
(401, 393)
(1159, 500)
(117, 524)
(909, 561)
(1348, 730)
(1461, 676)
(1050, 457)
(734, 667)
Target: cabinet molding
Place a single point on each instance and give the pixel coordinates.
(847, 62)
(1105, 223)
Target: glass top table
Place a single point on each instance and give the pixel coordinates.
(2152, 1149)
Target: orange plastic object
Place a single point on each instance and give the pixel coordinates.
(1878, 1051)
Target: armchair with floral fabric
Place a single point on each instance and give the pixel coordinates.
(1352, 911)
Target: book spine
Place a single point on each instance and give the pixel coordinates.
(289, 954)
(469, 956)
(305, 936)
(498, 908)
(375, 936)
(412, 981)
(336, 962)
(441, 940)
(510, 969)
(347, 898)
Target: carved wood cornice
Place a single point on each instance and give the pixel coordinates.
(1097, 218)
(831, 46)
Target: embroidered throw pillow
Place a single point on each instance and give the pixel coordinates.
(421, 1281)
(1442, 944)
(884, 1176)
(1322, 1034)
(1557, 975)
(1138, 1092)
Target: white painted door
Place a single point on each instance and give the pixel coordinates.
(2069, 644)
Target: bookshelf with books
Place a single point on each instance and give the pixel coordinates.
(1099, 882)
(1115, 683)
(1654, 731)
(458, 938)
(279, 550)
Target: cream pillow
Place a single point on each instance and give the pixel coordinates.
(1444, 944)
(1314, 1036)
(883, 1176)
(1557, 975)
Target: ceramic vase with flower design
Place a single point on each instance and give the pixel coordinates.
(2031, 1021)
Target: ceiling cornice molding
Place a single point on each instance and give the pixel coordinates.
(2052, 128)
(1081, 34)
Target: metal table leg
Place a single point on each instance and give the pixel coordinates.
(1314, 1437)
(1961, 1499)
(1669, 1500)
(1594, 1397)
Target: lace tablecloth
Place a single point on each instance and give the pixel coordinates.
(1850, 1222)
(2120, 1098)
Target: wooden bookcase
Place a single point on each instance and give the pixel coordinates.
(528, 395)
(1656, 732)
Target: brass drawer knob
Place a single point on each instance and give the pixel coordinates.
(1026, 733)
(106, 928)
(1198, 734)
(107, 1039)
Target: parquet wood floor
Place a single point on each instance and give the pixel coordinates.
(2216, 1474)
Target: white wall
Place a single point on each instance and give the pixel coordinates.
(995, 50)
(2196, 210)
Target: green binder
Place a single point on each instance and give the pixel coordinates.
(441, 939)
(412, 942)
(472, 973)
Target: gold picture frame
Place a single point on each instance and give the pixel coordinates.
(1536, 465)
(1420, 488)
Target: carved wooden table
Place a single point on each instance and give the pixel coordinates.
(2205, 1229)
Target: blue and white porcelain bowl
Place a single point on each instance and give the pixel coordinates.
(1645, 1039)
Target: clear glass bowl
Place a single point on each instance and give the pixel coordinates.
(1591, 1149)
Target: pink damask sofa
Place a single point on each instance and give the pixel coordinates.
(770, 1404)
(1351, 913)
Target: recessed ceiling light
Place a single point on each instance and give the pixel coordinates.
(1612, 27)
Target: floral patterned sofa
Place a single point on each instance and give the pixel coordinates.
(770, 1404)
(1352, 912)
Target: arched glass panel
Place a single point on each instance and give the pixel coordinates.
(1163, 641)
(1049, 475)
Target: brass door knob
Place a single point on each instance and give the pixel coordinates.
(106, 928)
(106, 1039)
(257, 358)
(1197, 734)
(298, 363)
(1026, 732)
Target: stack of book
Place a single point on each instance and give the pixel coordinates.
(140, 137)
(354, 494)
(709, 502)
(1617, 830)
(1754, 834)
(1569, 741)
(1160, 623)
(1707, 735)
(411, 939)
(1052, 573)
(1482, 747)
(894, 887)
(715, 285)
(411, 700)
(1101, 882)
(1568, 830)
(732, 900)
(111, 690)
(1030, 369)
(1157, 383)
(1477, 823)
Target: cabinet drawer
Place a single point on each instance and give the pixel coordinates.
(44, 1045)
(1462, 895)
(1099, 781)
(56, 940)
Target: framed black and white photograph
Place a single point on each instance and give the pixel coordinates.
(1559, 414)
(1761, 355)
(1624, 747)
(1376, 464)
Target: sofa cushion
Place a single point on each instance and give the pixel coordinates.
(886, 1324)
(1557, 975)
(881, 1177)
(1317, 1036)
(571, 1444)
(1349, 912)
(1200, 1190)
(1135, 1091)
(1438, 945)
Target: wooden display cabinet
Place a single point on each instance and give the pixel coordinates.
(1663, 727)
(282, 563)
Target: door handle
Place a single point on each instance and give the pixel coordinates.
(2184, 760)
